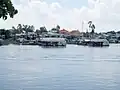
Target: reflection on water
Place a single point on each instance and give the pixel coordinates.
(70, 68)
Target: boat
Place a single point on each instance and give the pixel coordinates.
(52, 42)
(98, 42)
(29, 42)
(83, 42)
(94, 42)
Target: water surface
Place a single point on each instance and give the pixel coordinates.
(70, 68)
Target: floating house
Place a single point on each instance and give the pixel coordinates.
(55, 42)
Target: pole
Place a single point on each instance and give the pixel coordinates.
(82, 25)
(82, 28)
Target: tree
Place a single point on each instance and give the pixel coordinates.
(38, 32)
(58, 27)
(2, 31)
(14, 30)
(32, 28)
(7, 34)
(118, 32)
(43, 30)
(28, 28)
(111, 32)
(7, 9)
(91, 26)
(56, 30)
(19, 29)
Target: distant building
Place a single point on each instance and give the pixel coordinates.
(65, 32)
(75, 33)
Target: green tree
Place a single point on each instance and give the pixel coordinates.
(17, 30)
(20, 28)
(43, 30)
(7, 34)
(14, 30)
(2, 31)
(7, 9)
(58, 27)
(56, 30)
(91, 26)
(28, 28)
(37, 32)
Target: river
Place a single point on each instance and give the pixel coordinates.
(70, 68)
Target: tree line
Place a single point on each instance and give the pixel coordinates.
(25, 29)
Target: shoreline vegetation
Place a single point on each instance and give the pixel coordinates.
(27, 33)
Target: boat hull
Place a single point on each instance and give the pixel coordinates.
(51, 44)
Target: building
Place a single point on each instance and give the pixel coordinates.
(65, 32)
(75, 33)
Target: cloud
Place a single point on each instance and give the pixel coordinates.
(104, 13)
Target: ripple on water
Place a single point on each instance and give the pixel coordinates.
(71, 68)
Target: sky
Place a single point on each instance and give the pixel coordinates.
(69, 14)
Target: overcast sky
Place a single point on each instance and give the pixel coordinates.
(69, 14)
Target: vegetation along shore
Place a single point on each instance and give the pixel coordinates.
(28, 35)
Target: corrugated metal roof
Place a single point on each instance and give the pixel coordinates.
(96, 40)
(53, 39)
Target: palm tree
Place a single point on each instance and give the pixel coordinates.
(31, 28)
(28, 28)
(19, 28)
(14, 30)
(91, 26)
(58, 28)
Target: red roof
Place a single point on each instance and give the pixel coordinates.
(63, 31)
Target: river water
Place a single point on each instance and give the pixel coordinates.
(70, 68)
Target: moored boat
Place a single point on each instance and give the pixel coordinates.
(98, 43)
(94, 42)
(52, 42)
